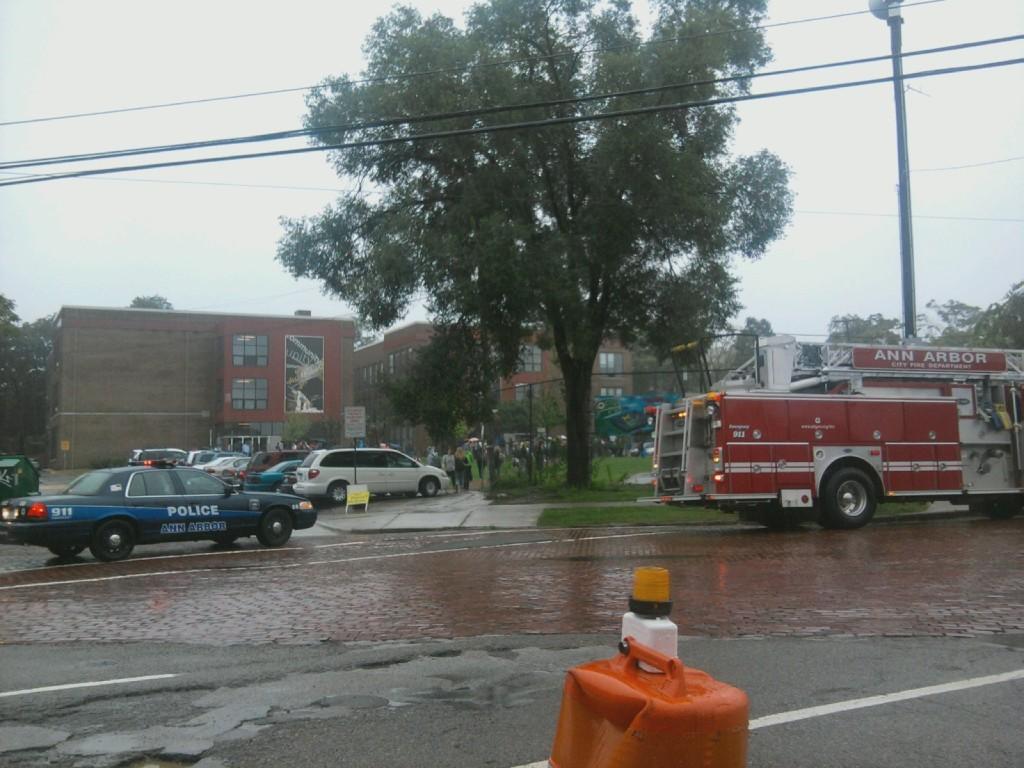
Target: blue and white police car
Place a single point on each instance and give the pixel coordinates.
(111, 510)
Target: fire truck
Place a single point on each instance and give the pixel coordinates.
(826, 432)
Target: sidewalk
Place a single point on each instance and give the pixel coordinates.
(466, 509)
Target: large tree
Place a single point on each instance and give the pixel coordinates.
(873, 329)
(616, 227)
(24, 358)
(1002, 324)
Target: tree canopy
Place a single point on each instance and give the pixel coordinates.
(585, 230)
(156, 301)
(24, 357)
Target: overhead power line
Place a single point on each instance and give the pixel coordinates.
(518, 126)
(450, 70)
(969, 165)
(916, 216)
(482, 111)
(296, 188)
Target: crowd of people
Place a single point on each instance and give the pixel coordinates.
(475, 460)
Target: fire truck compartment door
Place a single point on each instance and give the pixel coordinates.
(910, 467)
(793, 465)
(749, 469)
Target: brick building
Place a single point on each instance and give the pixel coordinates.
(612, 375)
(132, 378)
(374, 363)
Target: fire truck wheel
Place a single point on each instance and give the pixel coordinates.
(849, 499)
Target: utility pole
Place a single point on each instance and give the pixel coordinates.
(889, 11)
(529, 444)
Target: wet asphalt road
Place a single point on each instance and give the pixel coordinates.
(960, 578)
(278, 652)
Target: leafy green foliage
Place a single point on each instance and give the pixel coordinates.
(297, 427)
(1002, 324)
(514, 415)
(448, 384)
(24, 357)
(873, 329)
(614, 228)
(150, 302)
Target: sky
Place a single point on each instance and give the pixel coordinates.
(205, 236)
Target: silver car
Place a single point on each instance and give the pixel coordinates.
(328, 473)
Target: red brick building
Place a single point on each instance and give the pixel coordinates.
(612, 375)
(374, 363)
(132, 378)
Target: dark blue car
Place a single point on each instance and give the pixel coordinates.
(270, 479)
(111, 510)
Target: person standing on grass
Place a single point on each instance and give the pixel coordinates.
(470, 463)
(448, 466)
(460, 468)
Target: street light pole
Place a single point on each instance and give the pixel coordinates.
(889, 11)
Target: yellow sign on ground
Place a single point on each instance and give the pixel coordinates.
(358, 496)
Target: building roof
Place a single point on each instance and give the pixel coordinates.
(204, 313)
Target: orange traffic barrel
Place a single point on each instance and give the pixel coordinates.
(617, 715)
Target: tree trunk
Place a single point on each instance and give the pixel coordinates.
(577, 423)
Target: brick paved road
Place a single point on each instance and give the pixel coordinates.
(962, 578)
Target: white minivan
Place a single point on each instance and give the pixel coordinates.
(328, 473)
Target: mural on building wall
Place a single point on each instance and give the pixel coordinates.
(304, 374)
(629, 414)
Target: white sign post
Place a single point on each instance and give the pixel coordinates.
(355, 427)
(355, 421)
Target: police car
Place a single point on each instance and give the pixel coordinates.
(111, 510)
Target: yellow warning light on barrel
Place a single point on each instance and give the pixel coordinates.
(651, 585)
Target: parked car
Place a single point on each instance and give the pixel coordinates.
(218, 463)
(270, 479)
(231, 470)
(288, 481)
(264, 460)
(110, 510)
(141, 456)
(328, 473)
(206, 455)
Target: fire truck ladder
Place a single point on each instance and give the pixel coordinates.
(785, 365)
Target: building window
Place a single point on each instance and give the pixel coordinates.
(249, 394)
(611, 392)
(609, 362)
(247, 349)
(530, 358)
(522, 391)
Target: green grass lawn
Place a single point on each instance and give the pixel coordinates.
(607, 484)
(896, 508)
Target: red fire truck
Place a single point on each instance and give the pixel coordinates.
(826, 432)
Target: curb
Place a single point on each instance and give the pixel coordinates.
(951, 514)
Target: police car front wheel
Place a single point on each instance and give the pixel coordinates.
(275, 528)
(113, 540)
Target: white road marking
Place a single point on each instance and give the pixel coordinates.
(312, 563)
(868, 701)
(264, 550)
(94, 684)
(885, 698)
